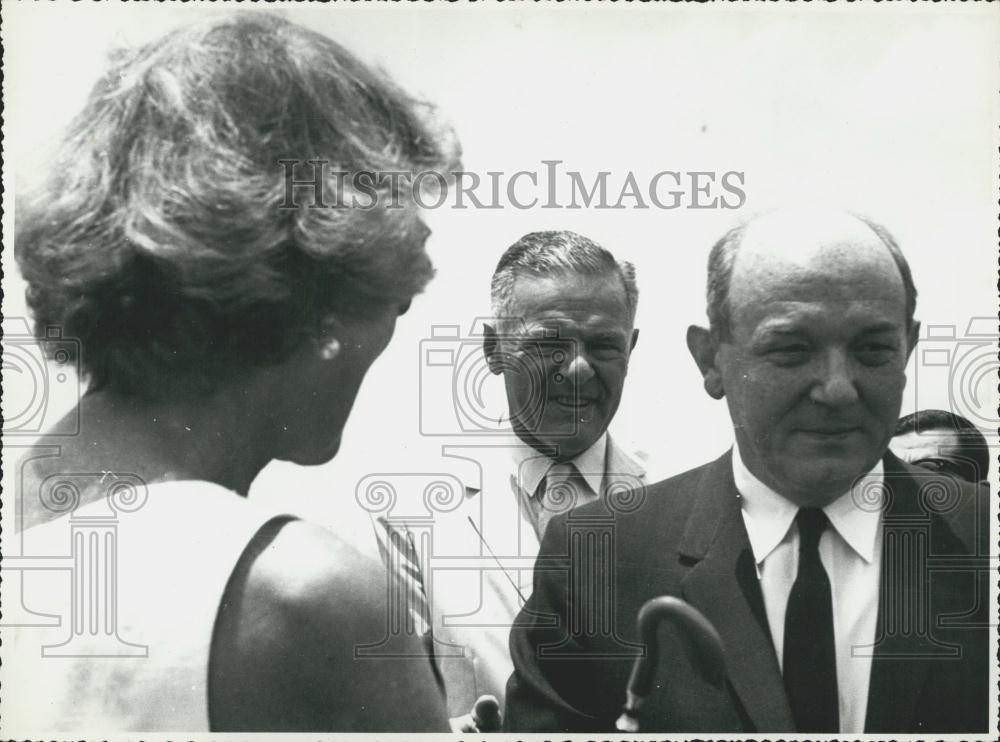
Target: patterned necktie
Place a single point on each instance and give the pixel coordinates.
(810, 661)
(407, 597)
(409, 608)
(561, 489)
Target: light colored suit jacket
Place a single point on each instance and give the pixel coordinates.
(478, 572)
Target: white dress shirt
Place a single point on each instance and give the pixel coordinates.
(851, 553)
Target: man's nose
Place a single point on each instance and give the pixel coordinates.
(576, 366)
(835, 386)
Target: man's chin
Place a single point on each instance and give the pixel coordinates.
(571, 446)
(822, 482)
(565, 433)
(316, 456)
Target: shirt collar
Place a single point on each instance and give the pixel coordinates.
(768, 515)
(533, 466)
(590, 463)
(857, 516)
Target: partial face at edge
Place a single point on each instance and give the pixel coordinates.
(939, 451)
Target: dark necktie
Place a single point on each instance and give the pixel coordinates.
(810, 662)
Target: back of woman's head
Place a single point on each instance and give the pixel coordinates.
(165, 241)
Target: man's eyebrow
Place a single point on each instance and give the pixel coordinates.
(605, 334)
(885, 326)
(786, 327)
(778, 327)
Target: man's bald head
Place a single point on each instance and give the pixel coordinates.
(800, 236)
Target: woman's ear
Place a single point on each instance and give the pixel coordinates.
(704, 349)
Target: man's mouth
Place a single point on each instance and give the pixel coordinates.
(832, 432)
(575, 403)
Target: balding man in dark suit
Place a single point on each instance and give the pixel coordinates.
(850, 590)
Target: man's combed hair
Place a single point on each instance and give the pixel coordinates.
(160, 241)
(558, 253)
(723, 256)
(720, 275)
(971, 439)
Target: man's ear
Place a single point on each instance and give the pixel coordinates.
(704, 349)
(491, 349)
(911, 341)
(635, 339)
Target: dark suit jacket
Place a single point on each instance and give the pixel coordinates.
(685, 537)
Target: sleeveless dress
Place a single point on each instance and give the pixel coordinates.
(128, 588)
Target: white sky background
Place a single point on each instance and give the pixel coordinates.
(891, 112)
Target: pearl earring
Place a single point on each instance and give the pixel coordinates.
(330, 350)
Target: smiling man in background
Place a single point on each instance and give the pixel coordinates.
(564, 332)
(562, 338)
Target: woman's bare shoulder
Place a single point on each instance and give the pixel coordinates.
(306, 567)
(302, 609)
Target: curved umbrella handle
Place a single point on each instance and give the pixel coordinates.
(705, 644)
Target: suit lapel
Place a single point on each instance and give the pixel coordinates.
(899, 669)
(723, 585)
(505, 530)
(618, 461)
